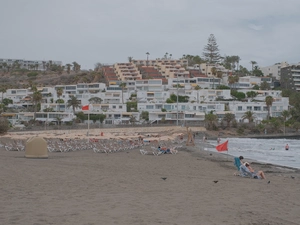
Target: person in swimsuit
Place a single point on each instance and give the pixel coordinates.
(287, 147)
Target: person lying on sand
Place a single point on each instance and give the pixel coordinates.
(165, 150)
(256, 175)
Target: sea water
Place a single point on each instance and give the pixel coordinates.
(263, 150)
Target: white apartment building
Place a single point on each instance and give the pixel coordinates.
(247, 82)
(274, 70)
(290, 77)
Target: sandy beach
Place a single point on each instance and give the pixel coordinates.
(83, 187)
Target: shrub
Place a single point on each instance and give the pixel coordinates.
(4, 125)
(240, 130)
(32, 74)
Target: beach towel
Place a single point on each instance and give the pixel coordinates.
(237, 163)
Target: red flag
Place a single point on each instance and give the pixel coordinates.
(222, 147)
(85, 107)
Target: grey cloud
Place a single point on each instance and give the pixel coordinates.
(110, 31)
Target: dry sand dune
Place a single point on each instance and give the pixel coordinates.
(84, 187)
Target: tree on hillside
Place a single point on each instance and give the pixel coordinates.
(269, 101)
(98, 67)
(74, 103)
(68, 68)
(219, 75)
(95, 100)
(2, 90)
(211, 120)
(59, 92)
(251, 94)
(253, 63)
(123, 86)
(211, 50)
(249, 115)
(257, 72)
(214, 72)
(192, 60)
(285, 114)
(264, 86)
(228, 117)
(36, 99)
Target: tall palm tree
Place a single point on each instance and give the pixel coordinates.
(231, 81)
(249, 115)
(269, 101)
(122, 85)
(68, 68)
(74, 103)
(36, 99)
(253, 63)
(219, 75)
(147, 53)
(3, 90)
(214, 72)
(285, 114)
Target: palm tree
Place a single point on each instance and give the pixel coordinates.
(36, 99)
(285, 114)
(237, 60)
(166, 55)
(249, 115)
(3, 90)
(130, 58)
(253, 63)
(269, 101)
(122, 85)
(219, 75)
(74, 103)
(147, 53)
(68, 68)
(231, 81)
(214, 72)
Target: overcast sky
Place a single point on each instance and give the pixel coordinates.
(108, 31)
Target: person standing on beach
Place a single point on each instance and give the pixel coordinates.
(219, 140)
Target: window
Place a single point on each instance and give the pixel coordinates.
(249, 108)
(167, 107)
(240, 108)
(257, 108)
(114, 106)
(120, 107)
(149, 106)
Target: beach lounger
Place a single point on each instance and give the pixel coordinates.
(237, 163)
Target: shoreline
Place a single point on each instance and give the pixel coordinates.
(126, 187)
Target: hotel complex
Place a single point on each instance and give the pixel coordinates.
(151, 83)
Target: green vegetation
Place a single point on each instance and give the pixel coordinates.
(4, 125)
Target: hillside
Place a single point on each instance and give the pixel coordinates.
(24, 78)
